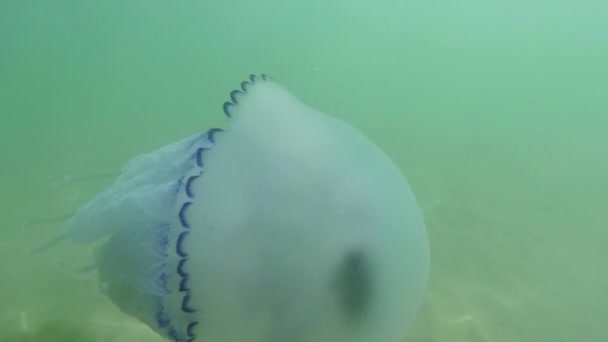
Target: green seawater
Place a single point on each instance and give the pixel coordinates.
(497, 112)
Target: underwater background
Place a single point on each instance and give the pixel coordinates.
(497, 113)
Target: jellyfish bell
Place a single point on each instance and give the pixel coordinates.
(290, 225)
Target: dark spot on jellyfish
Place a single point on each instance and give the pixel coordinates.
(179, 249)
(236, 95)
(162, 281)
(162, 319)
(189, 192)
(164, 240)
(180, 268)
(183, 285)
(190, 328)
(173, 334)
(211, 134)
(199, 156)
(228, 108)
(353, 283)
(186, 304)
(245, 85)
(182, 215)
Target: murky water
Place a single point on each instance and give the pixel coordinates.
(497, 113)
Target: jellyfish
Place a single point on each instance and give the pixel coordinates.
(289, 225)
